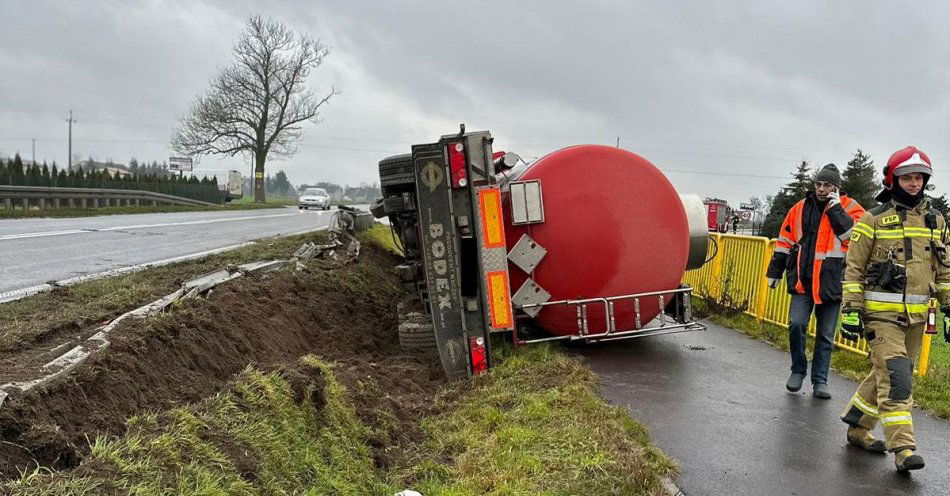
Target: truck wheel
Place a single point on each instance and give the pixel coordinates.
(396, 173)
(417, 335)
(415, 328)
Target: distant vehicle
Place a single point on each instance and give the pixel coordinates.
(235, 186)
(718, 214)
(314, 197)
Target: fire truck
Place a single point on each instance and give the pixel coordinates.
(588, 243)
(717, 214)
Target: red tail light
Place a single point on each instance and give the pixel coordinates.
(457, 165)
(479, 354)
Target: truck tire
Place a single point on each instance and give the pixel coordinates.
(413, 335)
(396, 173)
(415, 328)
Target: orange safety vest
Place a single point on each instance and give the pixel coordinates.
(830, 249)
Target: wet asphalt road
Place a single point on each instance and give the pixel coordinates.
(34, 251)
(716, 402)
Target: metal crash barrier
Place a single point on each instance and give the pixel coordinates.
(736, 275)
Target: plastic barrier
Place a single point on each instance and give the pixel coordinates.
(738, 269)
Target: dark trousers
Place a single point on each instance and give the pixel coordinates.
(826, 314)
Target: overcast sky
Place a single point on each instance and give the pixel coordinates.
(724, 97)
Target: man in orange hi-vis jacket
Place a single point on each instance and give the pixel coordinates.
(810, 250)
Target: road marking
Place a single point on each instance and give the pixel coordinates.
(16, 294)
(138, 226)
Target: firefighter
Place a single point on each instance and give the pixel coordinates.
(895, 266)
(810, 250)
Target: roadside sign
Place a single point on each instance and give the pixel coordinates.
(746, 206)
(745, 215)
(180, 164)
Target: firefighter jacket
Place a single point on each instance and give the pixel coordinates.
(891, 240)
(829, 243)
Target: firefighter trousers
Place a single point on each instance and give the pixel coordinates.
(885, 395)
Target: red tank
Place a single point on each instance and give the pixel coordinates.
(613, 225)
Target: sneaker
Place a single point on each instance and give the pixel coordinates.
(795, 382)
(906, 460)
(821, 392)
(862, 438)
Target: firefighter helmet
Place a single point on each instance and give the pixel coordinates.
(905, 161)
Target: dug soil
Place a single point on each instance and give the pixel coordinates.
(343, 314)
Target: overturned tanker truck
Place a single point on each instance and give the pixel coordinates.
(588, 243)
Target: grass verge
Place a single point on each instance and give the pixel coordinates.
(74, 308)
(534, 425)
(91, 212)
(931, 392)
(263, 436)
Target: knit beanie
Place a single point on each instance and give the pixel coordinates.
(829, 174)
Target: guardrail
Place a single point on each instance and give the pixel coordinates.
(43, 197)
(738, 270)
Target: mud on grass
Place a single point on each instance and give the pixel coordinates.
(282, 432)
(347, 315)
(533, 425)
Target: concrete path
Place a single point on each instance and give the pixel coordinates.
(716, 402)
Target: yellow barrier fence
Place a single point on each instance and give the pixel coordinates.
(736, 276)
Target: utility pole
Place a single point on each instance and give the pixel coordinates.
(69, 158)
(618, 141)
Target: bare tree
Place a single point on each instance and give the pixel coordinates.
(256, 106)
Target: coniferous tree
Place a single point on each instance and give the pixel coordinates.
(940, 203)
(19, 175)
(859, 180)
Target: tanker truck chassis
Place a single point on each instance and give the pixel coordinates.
(447, 203)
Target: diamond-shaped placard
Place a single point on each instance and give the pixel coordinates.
(530, 293)
(527, 253)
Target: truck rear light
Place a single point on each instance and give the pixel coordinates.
(489, 201)
(499, 300)
(476, 346)
(457, 165)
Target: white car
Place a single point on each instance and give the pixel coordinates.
(314, 197)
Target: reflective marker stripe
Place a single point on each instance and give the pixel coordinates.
(845, 235)
(897, 418)
(943, 286)
(782, 249)
(905, 233)
(858, 402)
(896, 297)
(877, 306)
(786, 240)
(852, 287)
(864, 229)
(831, 254)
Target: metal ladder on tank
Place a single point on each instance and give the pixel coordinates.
(667, 325)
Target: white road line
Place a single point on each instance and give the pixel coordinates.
(16, 294)
(139, 226)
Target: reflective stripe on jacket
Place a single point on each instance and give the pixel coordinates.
(831, 247)
(893, 231)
